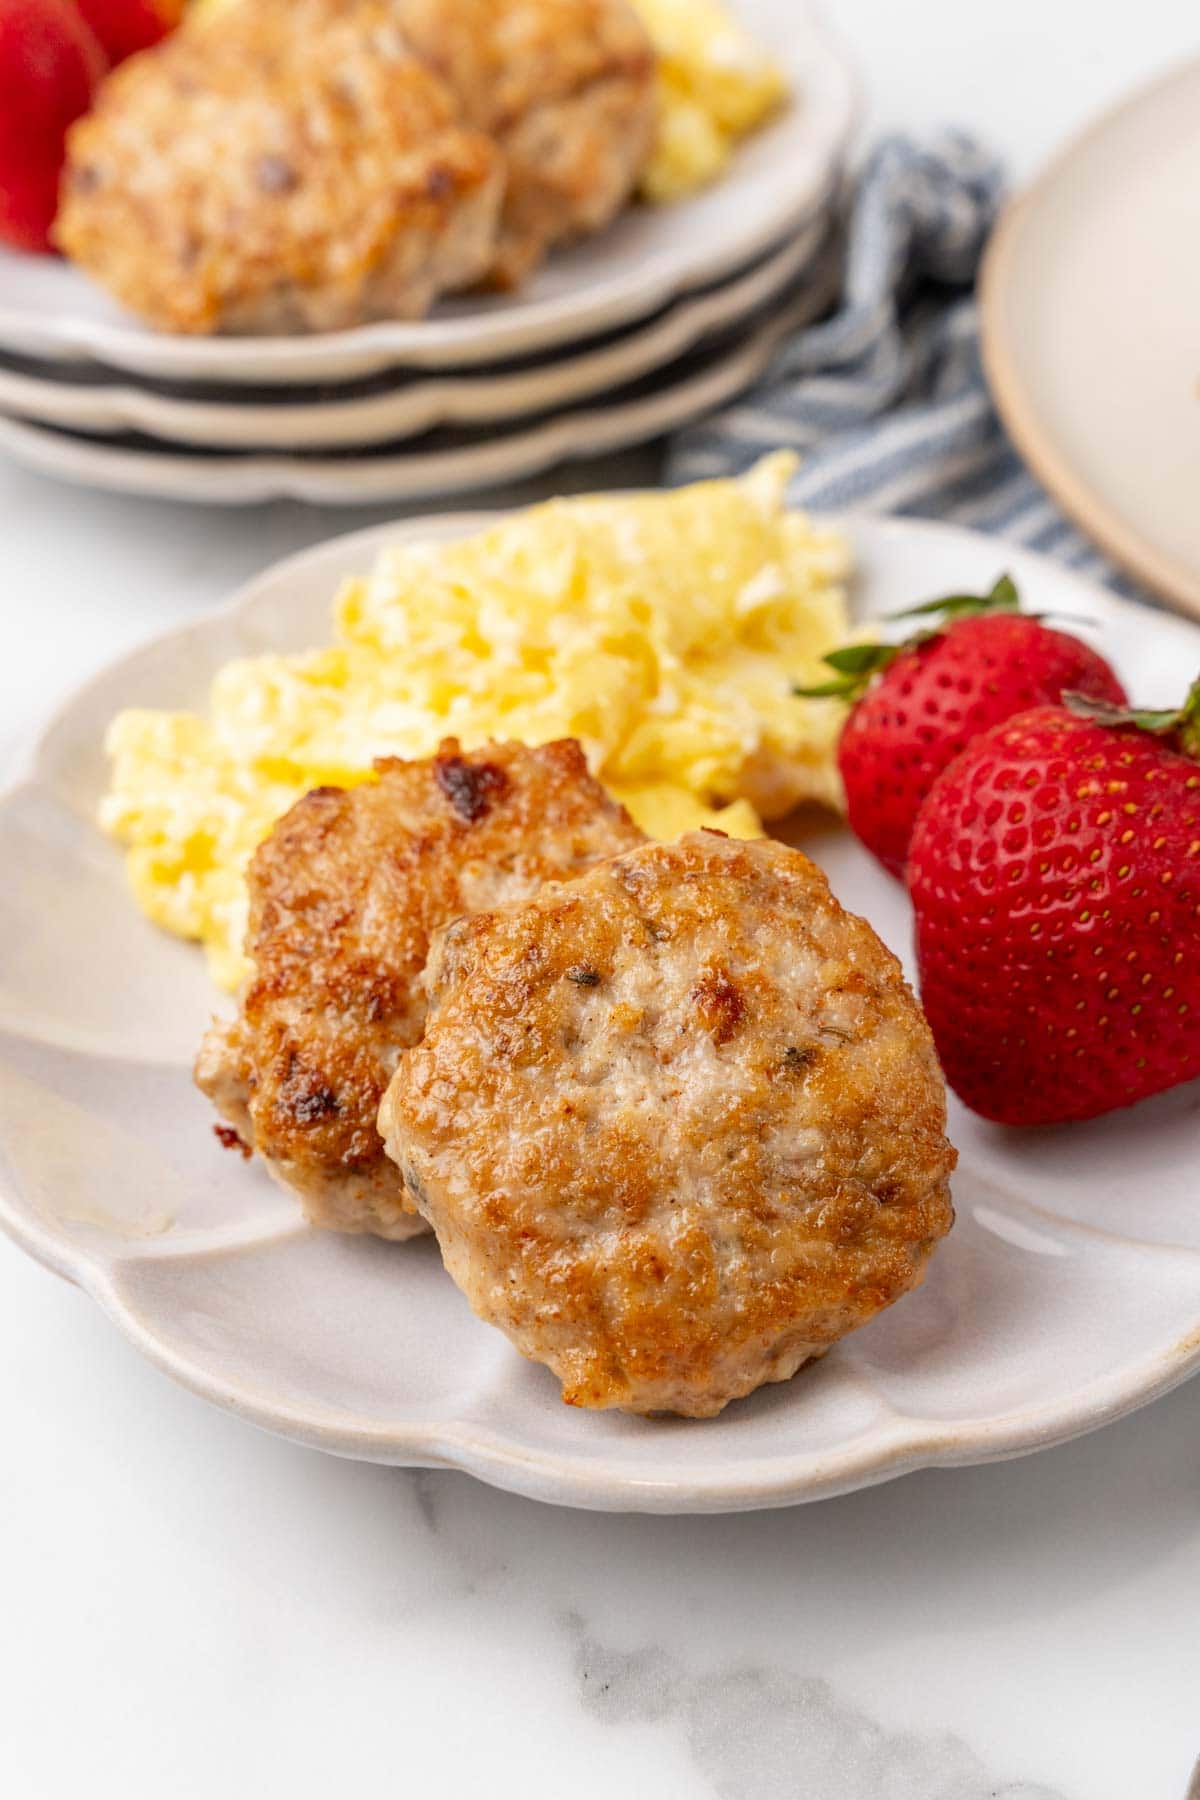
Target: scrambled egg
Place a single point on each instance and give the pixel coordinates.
(664, 631)
(716, 87)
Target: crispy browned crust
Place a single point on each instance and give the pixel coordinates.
(678, 1124)
(504, 57)
(305, 165)
(566, 87)
(288, 165)
(345, 895)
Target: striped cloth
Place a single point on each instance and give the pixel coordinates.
(886, 400)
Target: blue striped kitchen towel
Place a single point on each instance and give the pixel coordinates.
(886, 400)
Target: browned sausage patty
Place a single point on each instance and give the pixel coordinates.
(678, 1123)
(287, 165)
(568, 90)
(345, 895)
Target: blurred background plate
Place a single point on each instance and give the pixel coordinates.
(449, 460)
(648, 258)
(1091, 333)
(394, 404)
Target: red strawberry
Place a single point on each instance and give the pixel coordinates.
(50, 63)
(1055, 876)
(124, 26)
(938, 691)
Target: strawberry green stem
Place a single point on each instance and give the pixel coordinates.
(1189, 724)
(1003, 597)
(856, 665)
(1181, 723)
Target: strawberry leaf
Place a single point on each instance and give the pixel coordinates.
(1002, 598)
(1103, 712)
(1181, 722)
(853, 665)
(860, 659)
(845, 689)
(1189, 730)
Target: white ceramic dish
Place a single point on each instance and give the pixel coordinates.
(779, 180)
(455, 463)
(1067, 1294)
(79, 397)
(1091, 333)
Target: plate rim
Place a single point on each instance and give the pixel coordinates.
(1155, 569)
(421, 402)
(888, 1452)
(473, 1449)
(823, 67)
(593, 427)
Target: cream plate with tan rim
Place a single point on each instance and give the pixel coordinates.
(1067, 1294)
(1091, 333)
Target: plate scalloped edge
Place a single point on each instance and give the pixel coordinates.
(890, 1445)
(470, 1449)
(670, 398)
(333, 421)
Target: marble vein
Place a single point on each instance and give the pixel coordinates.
(755, 1733)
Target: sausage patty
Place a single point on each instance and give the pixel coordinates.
(678, 1123)
(567, 88)
(287, 165)
(344, 897)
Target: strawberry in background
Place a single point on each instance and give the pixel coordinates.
(51, 63)
(125, 26)
(917, 705)
(53, 55)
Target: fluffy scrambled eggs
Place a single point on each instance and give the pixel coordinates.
(664, 631)
(716, 87)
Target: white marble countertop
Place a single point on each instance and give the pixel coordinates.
(193, 1609)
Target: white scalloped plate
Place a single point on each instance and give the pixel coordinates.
(1067, 1294)
(779, 179)
(445, 462)
(81, 397)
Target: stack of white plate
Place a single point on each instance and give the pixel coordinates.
(670, 313)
